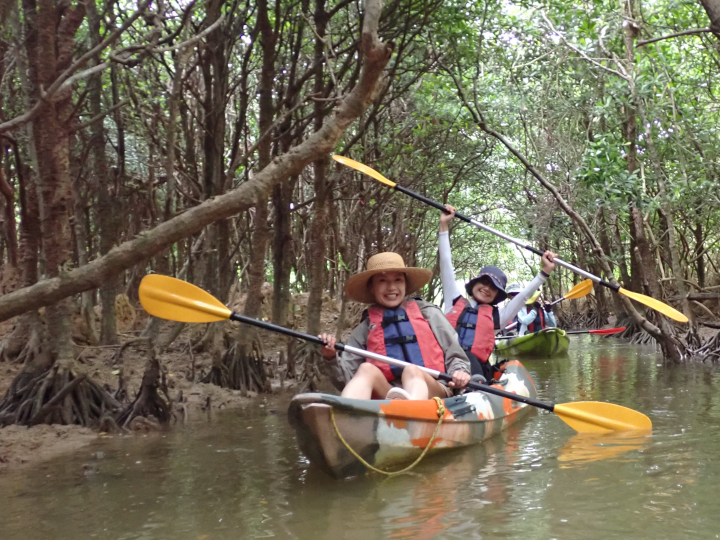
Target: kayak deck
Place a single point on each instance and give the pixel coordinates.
(390, 433)
(545, 343)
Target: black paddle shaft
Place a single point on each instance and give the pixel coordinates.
(282, 330)
(503, 393)
(341, 347)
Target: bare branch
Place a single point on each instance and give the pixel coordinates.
(193, 39)
(677, 34)
(99, 116)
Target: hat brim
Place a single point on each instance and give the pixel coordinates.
(356, 288)
(532, 299)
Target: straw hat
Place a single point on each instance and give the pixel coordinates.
(531, 300)
(357, 289)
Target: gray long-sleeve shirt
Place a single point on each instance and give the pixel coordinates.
(342, 367)
(451, 291)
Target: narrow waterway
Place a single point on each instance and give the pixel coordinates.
(241, 475)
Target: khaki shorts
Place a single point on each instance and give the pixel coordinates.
(449, 392)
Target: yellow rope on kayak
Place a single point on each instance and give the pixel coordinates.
(441, 415)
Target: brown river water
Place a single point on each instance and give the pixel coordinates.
(241, 475)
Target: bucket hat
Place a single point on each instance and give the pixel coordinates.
(498, 278)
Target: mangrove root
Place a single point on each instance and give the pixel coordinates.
(56, 396)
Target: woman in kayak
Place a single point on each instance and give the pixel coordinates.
(411, 330)
(533, 316)
(477, 318)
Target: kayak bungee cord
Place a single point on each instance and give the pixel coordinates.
(428, 446)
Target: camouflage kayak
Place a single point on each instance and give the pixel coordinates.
(389, 434)
(545, 343)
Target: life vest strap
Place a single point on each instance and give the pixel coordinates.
(467, 325)
(392, 319)
(401, 340)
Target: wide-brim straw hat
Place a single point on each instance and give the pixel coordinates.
(357, 289)
(533, 298)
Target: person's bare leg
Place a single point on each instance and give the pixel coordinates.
(421, 385)
(367, 380)
(413, 380)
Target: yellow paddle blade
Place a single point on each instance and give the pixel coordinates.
(579, 290)
(657, 305)
(364, 169)
(599, 417)
(176, 300)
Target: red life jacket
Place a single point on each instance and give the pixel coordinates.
(475, 327)
(404, 334)
(539, 322)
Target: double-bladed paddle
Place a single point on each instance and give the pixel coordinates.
(603, 331)
(169, 298)
(657, 305)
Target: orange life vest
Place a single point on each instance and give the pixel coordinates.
(404, 334)
(475, 327)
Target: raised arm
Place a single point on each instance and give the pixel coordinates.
(507, 314)
(447, 273)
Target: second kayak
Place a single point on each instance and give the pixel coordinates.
(545, 343)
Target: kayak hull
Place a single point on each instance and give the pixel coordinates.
(390, 434)
(545, 343)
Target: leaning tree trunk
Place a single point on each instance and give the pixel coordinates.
(375, 57)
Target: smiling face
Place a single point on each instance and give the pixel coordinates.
(484, 291)
(388, 288)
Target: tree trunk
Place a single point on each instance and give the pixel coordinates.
(712, 8)
(106, 186)
(10, 231)
(256, 269)
(316, 251)
(699, 256)
(620, 313)
(670, 227)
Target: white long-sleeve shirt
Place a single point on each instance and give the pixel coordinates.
(451, 291)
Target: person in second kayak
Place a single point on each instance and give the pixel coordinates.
(533, 316)
(410, 330)
(512, 291)
(477, 318)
